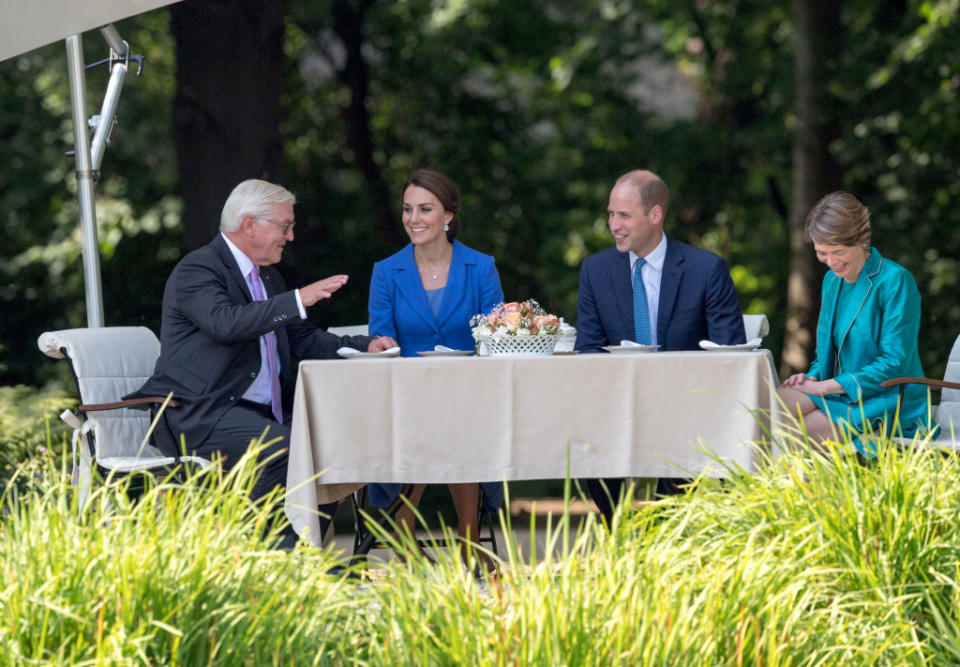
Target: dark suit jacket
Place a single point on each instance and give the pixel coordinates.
(697, 300)
(399, 306)
(209, 341)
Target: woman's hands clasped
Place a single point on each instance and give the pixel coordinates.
(809, 385)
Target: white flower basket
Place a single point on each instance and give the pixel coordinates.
(519, 345)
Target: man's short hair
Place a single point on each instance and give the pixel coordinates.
(653, 191)
(252, 197)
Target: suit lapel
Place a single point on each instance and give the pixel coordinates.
(407, 279)
(861, 290)
(621, 286)
(455, 291)
(669, 286)
(230, 268)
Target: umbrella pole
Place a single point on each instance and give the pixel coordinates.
(86, 177)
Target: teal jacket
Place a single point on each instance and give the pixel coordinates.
(878, 342)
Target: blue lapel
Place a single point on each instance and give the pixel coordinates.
(621, 285)
(669, 286)
(407, 279)
(455, 292)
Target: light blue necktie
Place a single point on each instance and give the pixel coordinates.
(641, 311)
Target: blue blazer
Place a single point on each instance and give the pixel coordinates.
(398, 303)
(879, 341)
(697, 300)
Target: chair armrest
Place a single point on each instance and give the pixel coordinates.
(936, 384)
(135, 403)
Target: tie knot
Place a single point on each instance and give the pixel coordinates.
(639, 265)
(255, 273)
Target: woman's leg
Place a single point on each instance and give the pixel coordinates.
(406, 521)
(466, 500)
(799, 406)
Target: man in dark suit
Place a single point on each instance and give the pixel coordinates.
(651, 289)
(229, 330)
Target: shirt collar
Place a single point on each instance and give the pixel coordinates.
(654, 258)
(243, 262)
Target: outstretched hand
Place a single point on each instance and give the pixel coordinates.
(322, 289)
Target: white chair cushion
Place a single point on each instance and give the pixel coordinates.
(109, 363)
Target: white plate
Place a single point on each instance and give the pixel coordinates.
(348, 353)
(445, 353)
(715, 347)
(629, 349)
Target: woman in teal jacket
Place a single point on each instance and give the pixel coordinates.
(867, 333)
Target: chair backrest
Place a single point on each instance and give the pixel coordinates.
(948, 412)
(756, 326)
(108, 363)
(351, 330)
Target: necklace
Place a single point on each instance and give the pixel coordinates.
(434, 276)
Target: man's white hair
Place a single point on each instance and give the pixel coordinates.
(252, 197)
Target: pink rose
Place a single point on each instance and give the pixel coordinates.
(512, 320)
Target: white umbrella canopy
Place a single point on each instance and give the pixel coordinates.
(31, 24)
(27, 25)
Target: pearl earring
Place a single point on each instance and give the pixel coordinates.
(446, 227)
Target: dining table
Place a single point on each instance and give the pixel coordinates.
(448, 419)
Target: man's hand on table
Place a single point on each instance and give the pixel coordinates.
(382, 343)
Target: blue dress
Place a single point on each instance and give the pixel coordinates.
(399, 307)
(867, 333)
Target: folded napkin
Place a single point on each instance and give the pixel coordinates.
(750, 344)
(351, 352)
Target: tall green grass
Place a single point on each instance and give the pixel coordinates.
(815, 559)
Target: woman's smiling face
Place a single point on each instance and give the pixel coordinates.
(424, 216)
(844, 260)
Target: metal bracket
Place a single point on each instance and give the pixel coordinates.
(92, 174)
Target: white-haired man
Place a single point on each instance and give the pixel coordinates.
(229, 329)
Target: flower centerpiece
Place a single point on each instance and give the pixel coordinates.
(517, 327)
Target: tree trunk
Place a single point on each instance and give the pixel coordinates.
(227, 107)
(815, 172)
(348, 18)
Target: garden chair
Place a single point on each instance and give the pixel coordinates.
(947, 413)
(111, 436)
(756, 326)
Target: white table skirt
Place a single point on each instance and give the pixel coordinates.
(457, 419)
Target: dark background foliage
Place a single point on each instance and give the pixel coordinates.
(532, 108)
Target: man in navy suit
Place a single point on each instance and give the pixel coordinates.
(651, 289)
(229, 330)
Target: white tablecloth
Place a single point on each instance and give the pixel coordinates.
(465, 419)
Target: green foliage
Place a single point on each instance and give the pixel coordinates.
(815, 559)
(533, 109)
(30, 425)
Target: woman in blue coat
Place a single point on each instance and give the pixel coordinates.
(867, 333)
(424, 296)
